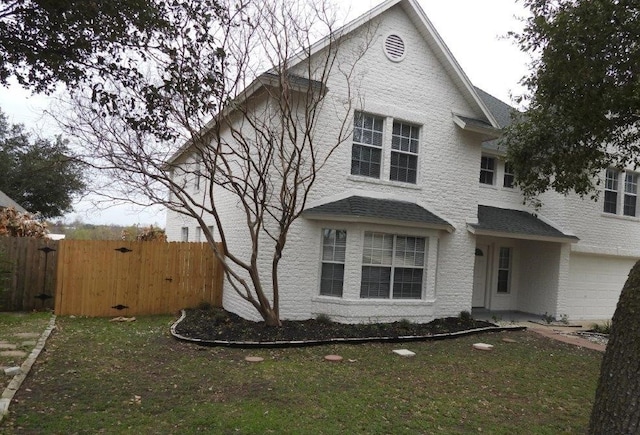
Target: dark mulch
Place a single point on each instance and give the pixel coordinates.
(215, 324)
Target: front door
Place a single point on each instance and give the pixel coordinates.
(480, 276)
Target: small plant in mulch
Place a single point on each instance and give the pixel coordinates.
(219, 325)
(602, 328)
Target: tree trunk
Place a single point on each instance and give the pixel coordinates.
(271, 317)
(617, 405)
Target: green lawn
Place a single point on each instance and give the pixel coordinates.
(17, 323)
(100, 377)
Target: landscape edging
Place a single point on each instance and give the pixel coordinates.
(301, 343)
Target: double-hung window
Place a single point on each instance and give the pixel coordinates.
(371, 150)
(487, 170)
(404, 152)
(611, 191)
(504, 270)
(366, 156)
(184, 234)
(630, 193)
(392, 266)
(334, 245)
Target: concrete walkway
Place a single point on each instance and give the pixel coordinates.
(536, 324)
(562, 333)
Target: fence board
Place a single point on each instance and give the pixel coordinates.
(26, 271)
(152, 278)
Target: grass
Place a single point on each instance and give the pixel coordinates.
(14, 323)
(102, 377)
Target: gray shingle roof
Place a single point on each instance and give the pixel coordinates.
(360, 207)
(515, 223)
(6, 202)
(500, 110)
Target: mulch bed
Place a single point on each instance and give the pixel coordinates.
(219, 325)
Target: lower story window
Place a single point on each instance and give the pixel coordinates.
(392, 266)
(184, 234)
(504, 270)
(334, 244)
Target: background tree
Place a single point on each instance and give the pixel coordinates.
(40, 174)
(246, 137)
(583, 116)
(583, 98)
(43, 43)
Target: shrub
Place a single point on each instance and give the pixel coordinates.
(323, 318)
(465, 315)
(602, 328)
(16, 224)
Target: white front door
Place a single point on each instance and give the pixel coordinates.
(480, 276)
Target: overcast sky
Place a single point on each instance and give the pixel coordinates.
(473, 30)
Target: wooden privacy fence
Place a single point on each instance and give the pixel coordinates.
(27, 273)
(118, 278)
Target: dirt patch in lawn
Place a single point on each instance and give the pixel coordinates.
(219, 325)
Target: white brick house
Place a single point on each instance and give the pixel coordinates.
(416, 217)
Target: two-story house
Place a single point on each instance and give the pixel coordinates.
(417, 217)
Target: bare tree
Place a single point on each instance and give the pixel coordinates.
(245, 94)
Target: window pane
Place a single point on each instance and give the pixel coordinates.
(332, 279)
(367, 129)
(503, 281)
(487, 169)
(410, 251)
(404, 167)
(407, 283)
(630, 205)
(610, 202)
(504, 268)
(611, 181)
(375, 282)
(631, 183)
(365, 161)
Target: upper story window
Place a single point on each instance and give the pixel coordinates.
(404, 152)
(487, 170)
(630, 194)
(625, 182)
(366, 156)
(370, 150)
(611, 191)
(184, 234)
(509, 176)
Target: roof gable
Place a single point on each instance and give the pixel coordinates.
(433, 39)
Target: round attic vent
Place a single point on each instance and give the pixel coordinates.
(394, 47)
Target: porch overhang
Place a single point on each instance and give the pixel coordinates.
(363, 209)
(516, 224)
(483, 128)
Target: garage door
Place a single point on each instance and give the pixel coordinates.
(595, 283)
